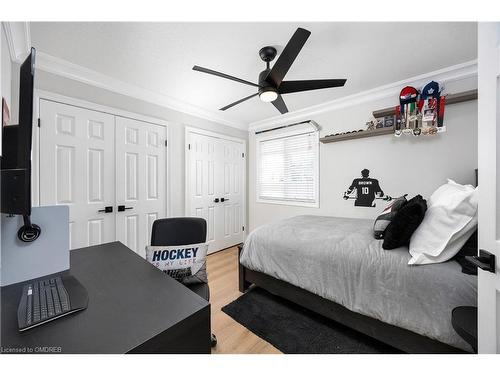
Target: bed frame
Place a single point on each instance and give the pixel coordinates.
(400, 338)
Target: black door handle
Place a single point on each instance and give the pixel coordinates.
(123, 208)
(216, 200)
(224, 199)
(485, 261)
(106, 209)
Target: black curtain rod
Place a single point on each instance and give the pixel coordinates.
(289, 125)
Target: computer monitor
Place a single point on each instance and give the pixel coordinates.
(15, 167)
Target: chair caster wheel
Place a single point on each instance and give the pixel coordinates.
(213, 341)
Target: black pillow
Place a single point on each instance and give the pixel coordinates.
(404, 223)
(383, 220)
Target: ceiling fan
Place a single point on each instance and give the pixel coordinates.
(271, 85)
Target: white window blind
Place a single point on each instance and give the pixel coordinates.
(287, 169)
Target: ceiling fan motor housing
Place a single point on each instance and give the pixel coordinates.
(262, 78)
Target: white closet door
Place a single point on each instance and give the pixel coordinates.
(231, 190)
(77, 169)
(140, 181)
(204, 174)
(214, 191)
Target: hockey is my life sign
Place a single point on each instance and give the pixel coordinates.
(179, 262)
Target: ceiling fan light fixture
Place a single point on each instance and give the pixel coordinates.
(268, 95)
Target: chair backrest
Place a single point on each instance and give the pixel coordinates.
(178, 231)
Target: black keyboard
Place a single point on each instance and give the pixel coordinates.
(44, 300)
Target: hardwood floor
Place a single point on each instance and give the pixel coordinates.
(232, 337)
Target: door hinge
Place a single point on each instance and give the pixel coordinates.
(243, 228)
(189, 146)
(39, 122)
(166, 143)
(242, 154)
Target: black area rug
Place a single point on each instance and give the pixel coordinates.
(296, 330)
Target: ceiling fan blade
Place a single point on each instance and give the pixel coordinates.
(280, 105)
(288, 56)
(238, 102)
(223, 75)
(288, 87)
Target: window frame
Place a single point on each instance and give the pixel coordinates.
(282, 134)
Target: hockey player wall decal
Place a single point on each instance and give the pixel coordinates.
(365, 191)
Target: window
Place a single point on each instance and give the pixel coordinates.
(287, 168)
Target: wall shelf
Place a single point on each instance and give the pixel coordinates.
(356, 135)
(450, 99)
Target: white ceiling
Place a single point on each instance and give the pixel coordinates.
(159, 56)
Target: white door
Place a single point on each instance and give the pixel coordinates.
(77, 162)
(215, 187)
(489, 184)
(230, 228)
(140, 181)
(203, 172)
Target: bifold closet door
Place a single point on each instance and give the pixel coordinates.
(215, 172)
(77, 164)
(140, 181)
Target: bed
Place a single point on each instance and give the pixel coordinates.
(335, 267)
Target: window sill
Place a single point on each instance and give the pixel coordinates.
(288, 203)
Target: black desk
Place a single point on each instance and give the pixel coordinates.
(133, 308)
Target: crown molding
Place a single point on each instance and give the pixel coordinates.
(66, 69)
(18, 39)
(448, 74)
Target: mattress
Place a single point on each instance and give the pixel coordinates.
(338, 259)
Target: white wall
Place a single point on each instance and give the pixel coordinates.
(413, 165)
(177, 122)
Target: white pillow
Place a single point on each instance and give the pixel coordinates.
(450, 219)
(186, 263)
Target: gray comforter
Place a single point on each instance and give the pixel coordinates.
(338, 259)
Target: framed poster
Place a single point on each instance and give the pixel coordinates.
(389, 121)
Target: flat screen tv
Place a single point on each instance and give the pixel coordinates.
(15, 166)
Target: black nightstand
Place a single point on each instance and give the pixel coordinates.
(464, 321)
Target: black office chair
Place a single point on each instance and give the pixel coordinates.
(183, 231)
